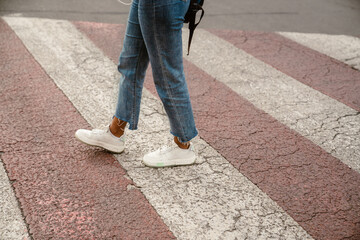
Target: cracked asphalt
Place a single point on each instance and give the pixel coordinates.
(278, 146)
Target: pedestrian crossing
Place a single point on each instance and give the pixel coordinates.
(341, 47)
(262, 176)
(300, 107)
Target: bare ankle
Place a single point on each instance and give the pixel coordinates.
(181, 145)
(117, 127)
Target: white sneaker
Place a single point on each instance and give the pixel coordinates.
(101, 138)
(170, 156)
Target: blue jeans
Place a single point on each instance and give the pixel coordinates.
(154, 33)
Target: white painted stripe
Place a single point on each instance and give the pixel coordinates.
(341, 47)
(328, 123)
(209, 200)
(12, 224)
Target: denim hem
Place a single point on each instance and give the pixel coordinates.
(187, 139)
(131, 126)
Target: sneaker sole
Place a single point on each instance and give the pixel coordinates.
(99, 144)
(172, 164)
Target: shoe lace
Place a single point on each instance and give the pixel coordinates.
(101, 128)
(166, 148)
(106, 127)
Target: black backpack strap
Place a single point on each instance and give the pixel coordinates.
(191, 18)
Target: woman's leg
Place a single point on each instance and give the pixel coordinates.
(132, 65)
(161, 23)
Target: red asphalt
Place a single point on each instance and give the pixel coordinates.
(65, 189)
(325, 74)
(320, 192)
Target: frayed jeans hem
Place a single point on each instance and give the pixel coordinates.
(188, 139)
(131, 126)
